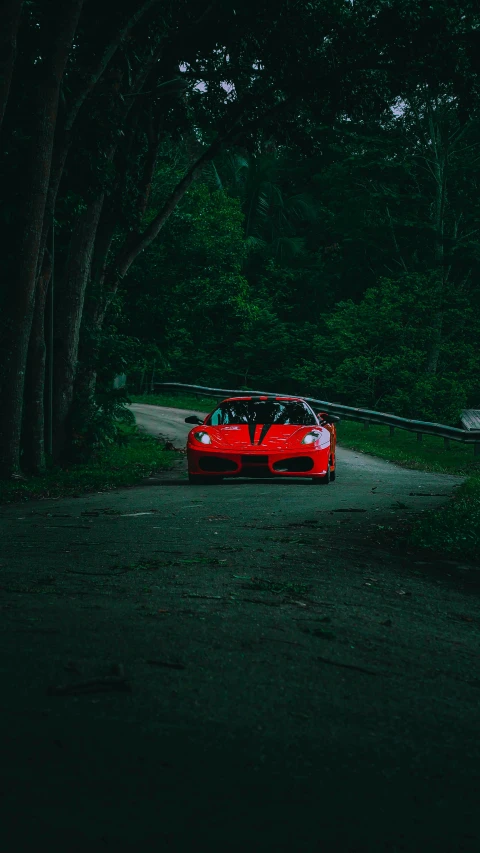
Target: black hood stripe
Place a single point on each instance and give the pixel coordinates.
(251, 432)
(263, 433)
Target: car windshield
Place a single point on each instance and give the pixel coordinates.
(262, 412)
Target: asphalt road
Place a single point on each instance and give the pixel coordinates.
(169, 423)
(254, 666)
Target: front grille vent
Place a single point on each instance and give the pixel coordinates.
(216, 463)
(296, 463)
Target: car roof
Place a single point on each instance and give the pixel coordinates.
(264, 397)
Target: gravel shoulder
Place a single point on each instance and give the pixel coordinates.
(198, 668)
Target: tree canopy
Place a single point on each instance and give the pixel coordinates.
(235, 190)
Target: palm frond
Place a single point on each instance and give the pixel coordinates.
(216, 176)
(284, 247)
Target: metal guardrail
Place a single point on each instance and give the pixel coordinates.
(365, 416)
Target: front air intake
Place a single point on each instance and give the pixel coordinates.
(296, 463)
(216, 463)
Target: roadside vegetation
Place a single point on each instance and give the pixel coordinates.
(404, 449)
(123, 463)
(454, 529)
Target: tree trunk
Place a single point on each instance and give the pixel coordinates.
(11, 13)
(64, 137)
(68, 316)
(70, 300)
(18, 308)
(439, 168)
(33, 437)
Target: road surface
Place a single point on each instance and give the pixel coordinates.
(255, 666)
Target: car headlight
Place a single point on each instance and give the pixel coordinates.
(203, 437)
(311, 437)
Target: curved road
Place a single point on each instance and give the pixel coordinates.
(250, 667)
(363, 482)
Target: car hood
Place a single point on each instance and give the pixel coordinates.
(246, 437)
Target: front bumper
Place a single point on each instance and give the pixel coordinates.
(227, 463)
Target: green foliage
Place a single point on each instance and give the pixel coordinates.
(123, 464)
(187, 294)
(375, 352)
(333, 320)
(98, 423)
(454, 529)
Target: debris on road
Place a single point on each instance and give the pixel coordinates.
(347, 665)
(428, 495)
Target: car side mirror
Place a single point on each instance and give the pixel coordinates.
(328, 419)
(193, 419)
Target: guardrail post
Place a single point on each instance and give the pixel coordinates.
(366, 424)
(446, 444)
(476, 448)
(392, 431)
(419, 436)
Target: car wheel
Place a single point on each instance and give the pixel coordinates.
(200, 480)
(333, 474)
(325, 479)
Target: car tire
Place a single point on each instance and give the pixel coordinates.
(324, 481)
(200, 480)
(333, 474)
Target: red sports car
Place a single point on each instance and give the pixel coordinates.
(262, 437)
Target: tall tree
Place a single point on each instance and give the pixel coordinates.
(42, 104)
(11, 14)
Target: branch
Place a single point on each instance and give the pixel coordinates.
(93, 76)
(129, 252)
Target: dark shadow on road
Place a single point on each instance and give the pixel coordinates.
(247, 481)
